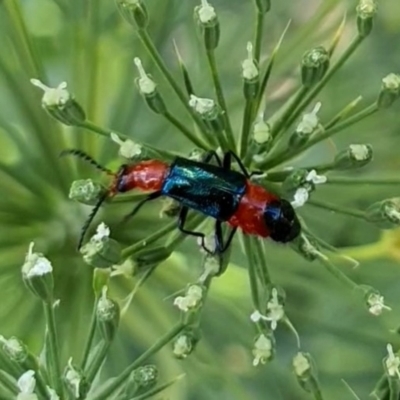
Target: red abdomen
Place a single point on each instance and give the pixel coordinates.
(249, 215)
(147, 175)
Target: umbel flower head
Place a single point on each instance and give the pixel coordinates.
(218, 101)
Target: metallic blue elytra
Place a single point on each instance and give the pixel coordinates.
(207, 188)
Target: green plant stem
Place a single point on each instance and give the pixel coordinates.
(331, 268)
(10, 366)
(248, 250)
(342, 114)
(186, 132)
(151, 49)
(89, 340)
(221, 99)
(54, 369)
(129, 197)
(157, 389)
(130, 250)
(363, 181)
(277, 128)
(381, 388)
(338, 209)
(26, 43)
(92, 56)
(260, 17)
(284, 155)
(106, 390)
(8, 383)
(394, 390)
(316, 390)
(246, 126)
(330, 73)
(267, 73)
(106, 132)
(97, 361)
(262, 262)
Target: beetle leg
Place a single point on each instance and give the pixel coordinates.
(150, 197)
(219, 238)
(227, 161)
(212, 154)
(181, 226)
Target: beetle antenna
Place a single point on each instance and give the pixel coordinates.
(90, 218)
(86, 157)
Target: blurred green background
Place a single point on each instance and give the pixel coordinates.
(89, 45)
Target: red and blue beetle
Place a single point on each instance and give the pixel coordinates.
(215, 190)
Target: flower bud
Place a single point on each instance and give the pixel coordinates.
(52, 394)
(307, 248)
(305, 371)
(264, 349)
(60, 104)
(274, 311)
(356, 156)
(17, 352)
(390, 90)
(37, 273)
(212, 267)
(385, 214)
(374, 301)
(128, 148)
(315, 63)
(148, 89)
(145, 377)
(185, 343)
(209, 112)
(107, 314)
(85, 191)
(26, 386)
(307, 126)
(366, 11)
(391, 363)
(299, 184)
(75, 381)
(263, 6)
(250, 74)
(197, 155)
(192, 299)
(101, 251)
(208, 21)
(262, 133)
(134, 12)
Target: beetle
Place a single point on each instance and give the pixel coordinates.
(215, 190)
